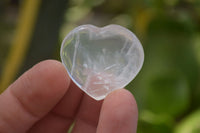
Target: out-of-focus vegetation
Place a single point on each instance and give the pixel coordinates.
(167, 89)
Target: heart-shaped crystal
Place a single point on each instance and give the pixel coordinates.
(101, 60)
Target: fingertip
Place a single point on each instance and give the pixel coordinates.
(119, 113)
(32, 96)
(42, 86)
(122, 94)
(124, 100)
(52, 73)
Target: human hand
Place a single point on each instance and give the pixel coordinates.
(44, 100)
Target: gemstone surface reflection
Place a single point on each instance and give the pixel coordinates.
(101, 60)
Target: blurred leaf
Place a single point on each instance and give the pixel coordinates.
(71, 127)
(155, 118)
(44, 41)
(123, 20)
(190, 124)
(154, 123)
(86, 3)
(28, 15)
(196, 42)
(167, 94)
(171, 2)
(92, 3)
(76, 13)
(142, 20)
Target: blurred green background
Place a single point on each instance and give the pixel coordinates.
(167, 89)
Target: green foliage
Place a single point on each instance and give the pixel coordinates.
(154, 123)
(167, 94)
(190, 124)
(167, 89)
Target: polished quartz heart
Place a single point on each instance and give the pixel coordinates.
(101, 60)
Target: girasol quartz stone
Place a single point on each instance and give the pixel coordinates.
(101, 60)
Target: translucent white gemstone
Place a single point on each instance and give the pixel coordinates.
(101, 60)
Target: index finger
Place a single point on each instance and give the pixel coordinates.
(32, 96)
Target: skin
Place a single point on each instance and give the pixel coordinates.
(44, 99)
